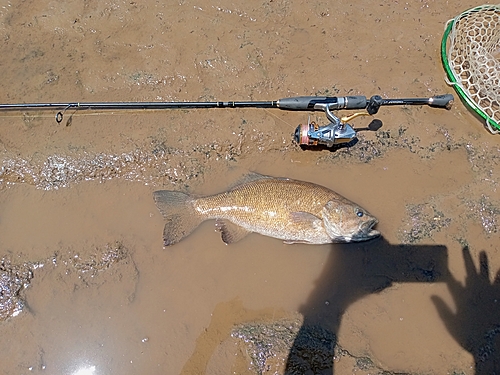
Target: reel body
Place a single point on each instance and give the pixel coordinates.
(312, 134)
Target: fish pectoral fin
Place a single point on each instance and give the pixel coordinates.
(307, 219)
(230, 232)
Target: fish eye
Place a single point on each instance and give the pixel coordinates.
(359, 213)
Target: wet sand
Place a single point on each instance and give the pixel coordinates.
(76, 204)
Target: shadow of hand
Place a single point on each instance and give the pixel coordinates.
(476, 323)
(352, 272)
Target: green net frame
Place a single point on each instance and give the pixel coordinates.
(470, 52)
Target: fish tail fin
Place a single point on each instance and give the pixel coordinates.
(181, 218)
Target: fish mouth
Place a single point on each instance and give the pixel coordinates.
(373, 233)
(366, 231)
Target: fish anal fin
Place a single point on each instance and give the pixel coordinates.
(230, 232)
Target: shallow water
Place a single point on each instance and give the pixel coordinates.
(93, 288)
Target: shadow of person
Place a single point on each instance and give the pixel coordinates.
(476, 323)
(351, 272)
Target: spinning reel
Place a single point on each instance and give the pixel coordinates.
(339, 131)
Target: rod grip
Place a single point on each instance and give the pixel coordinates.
(355, 102)
(302, 103)
(310, 103)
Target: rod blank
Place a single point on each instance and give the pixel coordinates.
(137, 105)
(299, 103)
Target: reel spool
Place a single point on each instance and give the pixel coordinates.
(312, 134)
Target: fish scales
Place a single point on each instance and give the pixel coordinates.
(265, 204)
(265, 207)
(291, 210)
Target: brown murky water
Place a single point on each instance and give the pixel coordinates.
(88, 287)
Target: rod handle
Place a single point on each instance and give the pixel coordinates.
(302, 103)
(319, 103)
(355, 102)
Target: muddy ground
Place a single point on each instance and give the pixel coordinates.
(86, 284)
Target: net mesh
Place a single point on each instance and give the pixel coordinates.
(473, 58)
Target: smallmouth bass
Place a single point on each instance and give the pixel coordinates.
(291, 210)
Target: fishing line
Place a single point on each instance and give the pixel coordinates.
(80, 114)
(278, 118)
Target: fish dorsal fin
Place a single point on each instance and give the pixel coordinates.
(253, 176)
(249, 177)
(230, 232)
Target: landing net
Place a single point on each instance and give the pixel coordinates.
(470, 51)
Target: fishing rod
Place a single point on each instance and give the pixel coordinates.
(336, 132)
